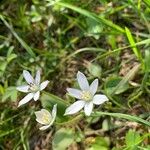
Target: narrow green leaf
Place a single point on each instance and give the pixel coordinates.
(147, 60)
(147, 2)
(8, 132)
(23, 43)
(132, 42)
(92, 16)
(124, 116)
(147, 41)
(10, 118)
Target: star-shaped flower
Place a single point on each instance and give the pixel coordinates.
(86, 96)
(46, 118)
(33, 88)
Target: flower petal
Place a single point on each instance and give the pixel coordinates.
(75, 107)
(82, 80)
(88, 108)
(47, 113)
(28, 77)
(26, 99)
(37, 77)
(44, 127)
(74, 92)
(41, 115)
(23, 88)
(54, 112)
(36, 96)
(99, 99)
(94, 86)
(43, 85)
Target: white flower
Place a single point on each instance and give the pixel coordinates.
(33, 88)
(45, 118)
(86, 96)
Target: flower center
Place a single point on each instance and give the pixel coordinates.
(34, 88)
(86, 95)
(46, 119)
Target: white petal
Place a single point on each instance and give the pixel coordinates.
(94, 86)
(28, 77)
(88, 108)
(26, 99)
(40, 116)
(54, 112)
(36, 95)
(99, 99)
(75, 107)
(44, 85)
(47, 113)
(74, 92)
(37, 77)
(82, 80)
(23, 88)
(44, 127)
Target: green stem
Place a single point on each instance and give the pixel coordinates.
(70, 121)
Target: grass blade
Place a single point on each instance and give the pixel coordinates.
(24, 44)
(147, 41)
(124, 116)
(92, 16)
(132, 42)
(4, 133)
(147, 60)
(147, 2)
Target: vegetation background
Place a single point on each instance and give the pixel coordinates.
(108, 40)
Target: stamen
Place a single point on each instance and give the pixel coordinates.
(46, 119)
(86, 95)
(33, 87)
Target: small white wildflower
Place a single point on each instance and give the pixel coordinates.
(33, 88)
(46, 118)
(86, 96)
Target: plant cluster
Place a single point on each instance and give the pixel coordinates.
(107, 107)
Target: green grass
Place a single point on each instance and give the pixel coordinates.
(108, 40)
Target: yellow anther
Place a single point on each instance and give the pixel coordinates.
(86, 95)
(34, 87)
(46, 119)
